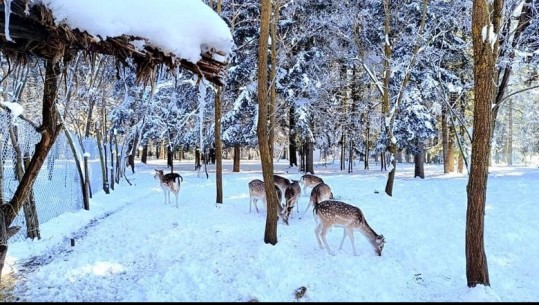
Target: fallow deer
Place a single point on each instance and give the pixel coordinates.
(258, 192)
(169, 183)
(310, 181)
(281, 182)
(319, 193)
(340, 214)
(291, 195)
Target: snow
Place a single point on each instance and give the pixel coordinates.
(184, 28)
(487, 33)
(130, 246)
(7, 13)
(15, 108)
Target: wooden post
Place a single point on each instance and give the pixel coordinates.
(85, 195)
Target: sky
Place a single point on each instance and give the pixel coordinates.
(131, 246)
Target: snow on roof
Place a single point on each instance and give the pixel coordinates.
(142, 33)
(185, 28)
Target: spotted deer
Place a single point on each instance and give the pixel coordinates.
(291, 195)
(336, 213)
(281, 183)
(258, 192)
(319, 193)
(310, 181)
(169, 183)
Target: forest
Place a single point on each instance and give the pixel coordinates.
(391, 81)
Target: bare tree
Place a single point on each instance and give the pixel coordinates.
(485, 48)
(270, 234)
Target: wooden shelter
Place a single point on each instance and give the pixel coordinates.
(34, 33)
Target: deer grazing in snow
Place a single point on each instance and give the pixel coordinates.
(169, 183)
(310, 181)
(319, 193)
(281, 183)
(336, 213)
(258, 192)
(291, 195)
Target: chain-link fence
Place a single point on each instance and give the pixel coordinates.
(57, 188)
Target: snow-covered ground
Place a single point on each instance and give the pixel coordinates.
(131, 246)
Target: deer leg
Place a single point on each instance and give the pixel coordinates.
(176, 193)
(350, 232)
(317, 233)
(343, 237)
(308, 206)
(323, 236)
(165, 193)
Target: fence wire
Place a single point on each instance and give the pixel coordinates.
(57, 188)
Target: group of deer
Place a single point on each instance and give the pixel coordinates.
(289, 188)
(328, 211)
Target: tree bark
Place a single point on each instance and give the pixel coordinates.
(270, 233)
(309, 160)
(218, 143)
(509, 139)
(419, 163)
(237, 155)
(292, 137)
(343, 151)
(218, 149)
(102, 160)
(445, 137)
(144, 155)
(484, 65)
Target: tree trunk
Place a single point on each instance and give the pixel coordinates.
(391, 175)
(29, 208)
(292, 137)
(49, 132)
(484, 65)
(270, 233)
(218, 149)
(343, 151)
(101, 147)
(350, 157)
(144, 155)
(170, 157)
(272, 105)
(367, 144)
(451, 149)
(309, 160)
(111, 149)
(237, 155)
(419, 163)
(134, 149)
(445, 138)
(509, 145)
(197, 159)
(30, 211)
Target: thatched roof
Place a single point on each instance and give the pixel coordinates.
(36, 34)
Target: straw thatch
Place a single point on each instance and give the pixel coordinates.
(36, 34)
